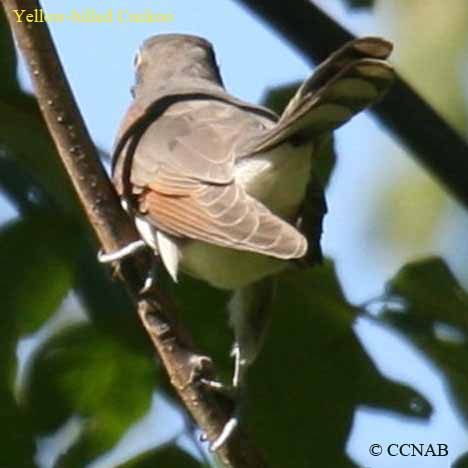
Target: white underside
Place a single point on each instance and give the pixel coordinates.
(278, 179)
(226, 268)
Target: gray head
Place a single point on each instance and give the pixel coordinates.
(169, 57)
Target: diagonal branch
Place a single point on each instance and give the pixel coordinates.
(432, 141)
(114, 230)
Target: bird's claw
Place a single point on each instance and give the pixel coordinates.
(128, 250)
(240, 366)
(200, 365)
(226, 432)
(150, 280)
(234, 392)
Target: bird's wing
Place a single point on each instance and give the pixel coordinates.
(191, 140)
(225, 216)
(182, 173)
(351, 79)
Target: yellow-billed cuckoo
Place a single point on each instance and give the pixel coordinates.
(217, 186)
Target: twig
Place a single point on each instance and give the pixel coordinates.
(114, 230)
(433, 142)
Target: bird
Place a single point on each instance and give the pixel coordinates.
(227, 191)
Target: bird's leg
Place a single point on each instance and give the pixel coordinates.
(237, 391)
(240, 366)
(126, 251)
(148, 239)
(117, 256)
(234, 392)
(250, 310)
(249, 316)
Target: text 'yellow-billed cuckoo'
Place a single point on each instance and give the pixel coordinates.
(218, 187)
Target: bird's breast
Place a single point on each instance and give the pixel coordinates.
(278, 179)
(227, 268)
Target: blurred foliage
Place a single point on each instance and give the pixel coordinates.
(437, 34)
(408, 214)
(432, 311)
(86, 371)
(43, 268)
(169, 456)
(461, 462)
(313, 373)
(304, 390)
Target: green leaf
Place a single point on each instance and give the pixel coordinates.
(203, 309)
(20, 188)
(461, 462)
(37, 263)
(18, 440)
(431, 292)
(36, 272)
(85, 372)
(432, 311)
(164, 457)
(24, 135)
(313, 374)
(35, 269)
(278, 98)
(26, 138)
(107, 303)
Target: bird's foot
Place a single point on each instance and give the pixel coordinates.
(233, 389)
(233, 421)
(117, 256)
(235, 393)
(122, 253)
(226, 432)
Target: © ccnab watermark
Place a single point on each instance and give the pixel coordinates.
(409, 450)
(91, 15)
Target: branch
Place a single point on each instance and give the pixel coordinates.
(432, 141)
(114, 230)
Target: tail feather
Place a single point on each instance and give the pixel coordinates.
(367, 47)
(350, 80)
